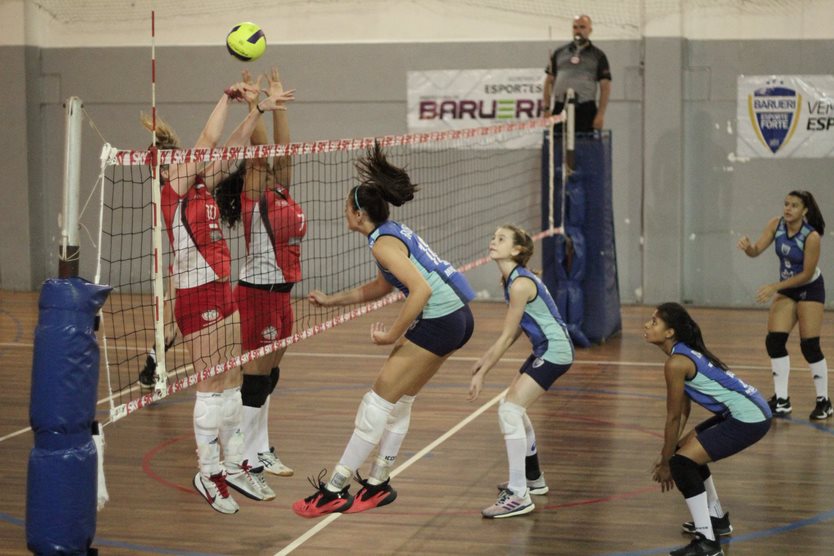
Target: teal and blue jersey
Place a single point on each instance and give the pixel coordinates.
(449, 288)
(791, 250)
(541, 321)
(721, 391)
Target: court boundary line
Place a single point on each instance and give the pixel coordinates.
(310, 533)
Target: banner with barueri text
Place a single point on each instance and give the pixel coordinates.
(785, 116)
(440, 100)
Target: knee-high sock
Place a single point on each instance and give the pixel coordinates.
(781, 367)
(231, 437)
(511, 421)
(700, 515)
(262, 442)
(819, 371)
(208, 409)
(249, 426)
(371, 418)
(713, 502)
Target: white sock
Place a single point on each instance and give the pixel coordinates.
(249, 424)
(262, 442)
(700, 515)
(340, 477)
(356, 452)
(231, 438)
(819, 371)
(515, 457)
(715, 509)
(781, 367)
(531, 435)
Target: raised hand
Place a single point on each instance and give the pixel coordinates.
(274, 80)
(277, 101)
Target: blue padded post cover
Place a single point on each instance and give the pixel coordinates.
(62, 481)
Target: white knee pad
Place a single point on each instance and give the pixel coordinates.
(372, 417)
(208, 409)
(232, 407)
(511, 420)
(400, 416)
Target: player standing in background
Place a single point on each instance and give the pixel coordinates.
(799, 297)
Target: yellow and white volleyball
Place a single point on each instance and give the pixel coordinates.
(246, 41)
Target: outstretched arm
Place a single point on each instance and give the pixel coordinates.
(369, 291)
(521, 291)
(280, 132)
(756, 249)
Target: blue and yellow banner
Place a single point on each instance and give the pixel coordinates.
(785, 116)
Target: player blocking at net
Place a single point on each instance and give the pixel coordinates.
(274, 225)
(204, 306)
(434, 321)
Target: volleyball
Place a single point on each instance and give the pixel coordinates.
(246, 41)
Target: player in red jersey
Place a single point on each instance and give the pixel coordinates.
(204, 306)
(274, 225)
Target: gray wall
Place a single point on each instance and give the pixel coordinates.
(676, 229)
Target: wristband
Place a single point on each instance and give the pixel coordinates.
(258, 106)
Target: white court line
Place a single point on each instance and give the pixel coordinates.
(411, 461)
(385, 356)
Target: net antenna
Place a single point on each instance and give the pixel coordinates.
(161, 375)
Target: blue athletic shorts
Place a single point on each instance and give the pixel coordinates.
(443, 335)
(724, 436)
(543, 372)
(815, 291)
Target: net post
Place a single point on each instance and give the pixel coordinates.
(68, 249)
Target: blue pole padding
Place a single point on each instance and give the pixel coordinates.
(62, 480)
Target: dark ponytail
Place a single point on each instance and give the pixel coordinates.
(227, 196)
(814, 216)
(381, 183)
(686, 330)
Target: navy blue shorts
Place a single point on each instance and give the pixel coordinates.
(815, 291)
(722, 437)
(543, 372)
(443, 335)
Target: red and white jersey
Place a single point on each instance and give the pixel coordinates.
(193, 221)
(274, 226)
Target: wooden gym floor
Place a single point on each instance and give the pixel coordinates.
(599, 431)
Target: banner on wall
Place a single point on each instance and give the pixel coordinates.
(785, 116)
(441, 100)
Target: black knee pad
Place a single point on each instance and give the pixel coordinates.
(254, 390)
(686, 475)
(704, 471)
(811, 349)
(775, 343)
(274, 375)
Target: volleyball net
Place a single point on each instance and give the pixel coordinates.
(470, 182)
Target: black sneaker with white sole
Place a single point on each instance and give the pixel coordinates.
(700, 546)
(720, 526)
(780, 406)
(822, 410)
(146, 375)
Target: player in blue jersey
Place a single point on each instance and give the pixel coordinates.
(799, 297)
(532, 311)
(742, 417)
(434, 321)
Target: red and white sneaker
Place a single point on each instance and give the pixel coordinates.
(215, 491)
(371, 496)
(322, 501)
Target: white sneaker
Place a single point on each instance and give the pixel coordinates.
(260, 478)
(273, 465)
(538, 487)
(216, 492)
(239, 477)
(508, 505)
